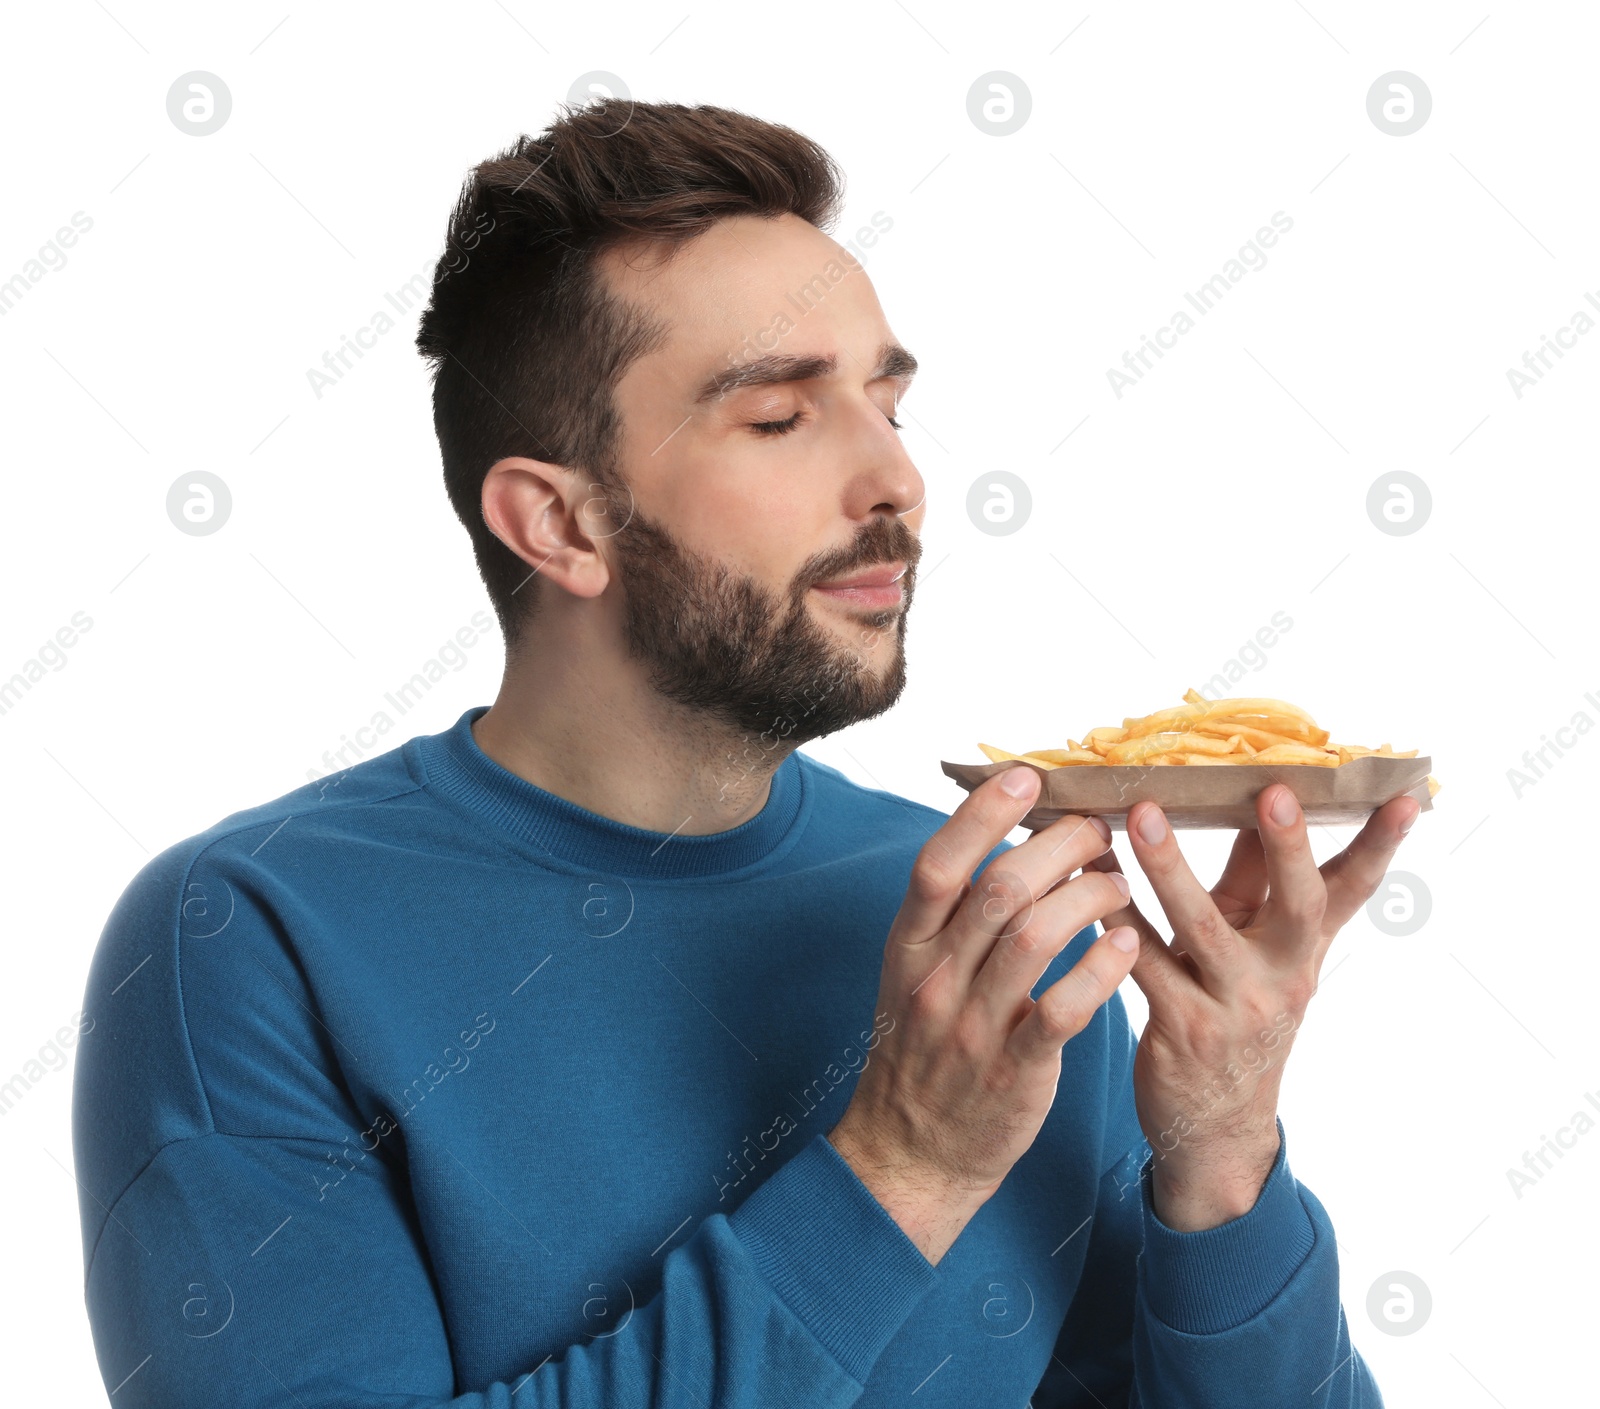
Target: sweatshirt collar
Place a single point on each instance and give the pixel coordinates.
(456, 768)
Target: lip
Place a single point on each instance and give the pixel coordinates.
(877, 586)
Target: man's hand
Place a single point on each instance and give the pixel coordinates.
(960, 1084)
(1228, 994)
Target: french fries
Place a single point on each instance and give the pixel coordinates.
(1208, 732)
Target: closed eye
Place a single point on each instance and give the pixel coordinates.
(793, 422)
(776, 427)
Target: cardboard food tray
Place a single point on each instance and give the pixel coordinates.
(1195, 797)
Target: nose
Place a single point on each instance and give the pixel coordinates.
(890, 478)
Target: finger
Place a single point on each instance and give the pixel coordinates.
(943, 867)
(1065, 1008)
(1055, 852)
(1297, 895)
(1019, 958)
(1354, 875)
(1241, 889)
(1197, 924)
(1006, 896)
(1161, 971)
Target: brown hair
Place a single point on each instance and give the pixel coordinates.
(526, 342)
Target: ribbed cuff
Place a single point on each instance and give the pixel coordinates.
(1210, 1281)
(833, 1254)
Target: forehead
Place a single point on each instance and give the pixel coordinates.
(741, 277)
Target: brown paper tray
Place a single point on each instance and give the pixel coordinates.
(1195, 797)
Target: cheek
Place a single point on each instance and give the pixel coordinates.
(761, 523)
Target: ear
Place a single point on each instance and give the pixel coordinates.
(550, 517)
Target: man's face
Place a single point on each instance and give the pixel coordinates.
(758, 447)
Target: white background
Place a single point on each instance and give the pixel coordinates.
(1229, 484)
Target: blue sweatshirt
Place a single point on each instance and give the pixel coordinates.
(422, 1086)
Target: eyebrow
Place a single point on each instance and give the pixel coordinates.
(893, 361)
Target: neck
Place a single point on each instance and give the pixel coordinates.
(577, 717)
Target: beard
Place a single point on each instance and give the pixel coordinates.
(726, 645)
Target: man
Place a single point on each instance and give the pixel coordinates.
(536, 1061)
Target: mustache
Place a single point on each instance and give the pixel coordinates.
(902, 546)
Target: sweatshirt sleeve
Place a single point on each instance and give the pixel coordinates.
(1243, 1314)
(220, 1280)
(220, 1267)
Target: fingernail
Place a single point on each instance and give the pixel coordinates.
(1019, 781)
(1120, 881)
(1100, 825)
(1406, 825)
(1285, 808)
(1153, 826)
(1124, 938)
